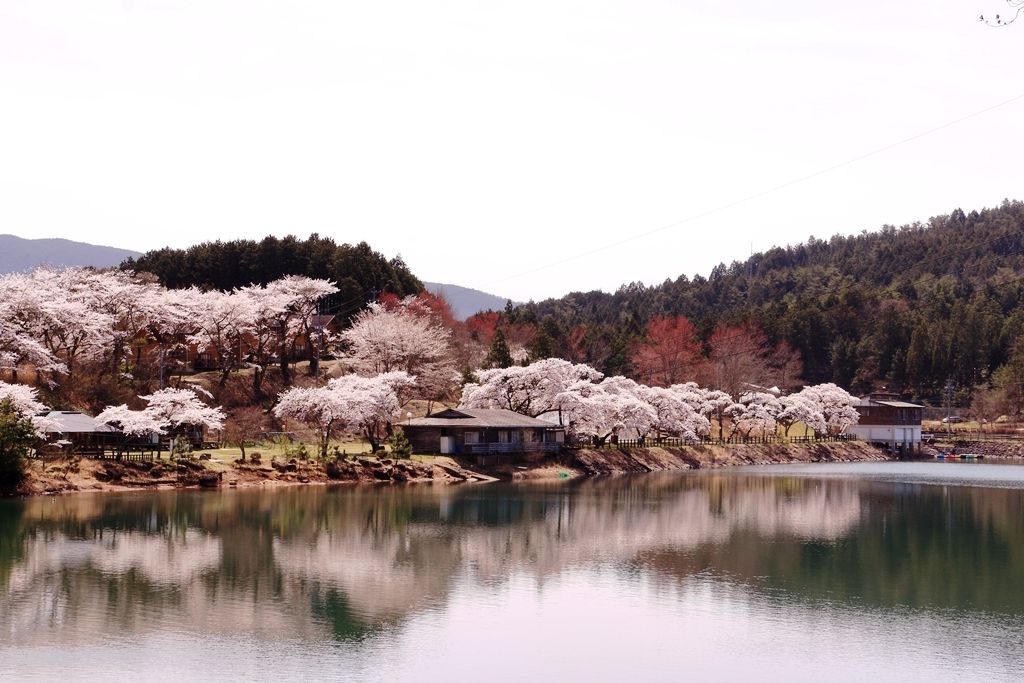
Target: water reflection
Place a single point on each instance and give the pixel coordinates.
(312, 562)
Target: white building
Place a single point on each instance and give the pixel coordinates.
(888, 421)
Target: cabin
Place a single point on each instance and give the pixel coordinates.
(485, 433)
(888, 421)
(82, 433)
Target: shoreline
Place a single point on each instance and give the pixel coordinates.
(78, 475)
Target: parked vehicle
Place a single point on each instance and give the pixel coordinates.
(953, 419)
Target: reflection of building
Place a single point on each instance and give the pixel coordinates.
(884, 419)
(485, 433)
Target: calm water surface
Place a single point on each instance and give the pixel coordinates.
(872, 572)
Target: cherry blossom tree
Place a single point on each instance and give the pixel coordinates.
(373, 402)
(299, 297)
(269, 306)
(675, 415)
(834, 403)
(25, 402)
(531, 390)
(171, 323)
(600, 410)
(23, 317)
(404, 337)
(366, 404)
(720, 405)
(70, 323)
(799, 408)
(167, 411)
(222, 321)
(760, 409)
(321, 408)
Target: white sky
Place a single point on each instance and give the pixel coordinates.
(484, 141)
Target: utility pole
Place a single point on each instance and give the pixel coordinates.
(948, 393)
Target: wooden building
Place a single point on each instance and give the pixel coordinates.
(486, 433)
(82, 433)
(888, 421)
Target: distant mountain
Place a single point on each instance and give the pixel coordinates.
(464, 301)
(18, 254)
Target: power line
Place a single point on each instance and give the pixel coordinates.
(757, 195)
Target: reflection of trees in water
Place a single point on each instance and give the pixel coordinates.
(304, 560)
(920, 547)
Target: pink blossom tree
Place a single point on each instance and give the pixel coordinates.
(23, 317)
(168, 410)
(25, 401)
(321, 408)
(834, 403)
(406, 337)
(720, 406)
(222, 321)
(759, 412)
(799, 408)
(351, 402)
(532, 390)
(675, 414)
(171, 323)
(297, 300)
(373, 402)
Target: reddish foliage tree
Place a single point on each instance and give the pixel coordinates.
(669, 353)
(481, 326)
(741, 357)
(575, 344)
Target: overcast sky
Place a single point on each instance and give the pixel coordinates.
(527, 148)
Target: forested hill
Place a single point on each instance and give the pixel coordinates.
(908, 307)
(360, 273)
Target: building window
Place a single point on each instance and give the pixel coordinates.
(472, 437)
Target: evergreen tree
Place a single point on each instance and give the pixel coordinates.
(498, 356)
(400, 446)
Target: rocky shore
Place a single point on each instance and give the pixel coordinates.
(80, 474)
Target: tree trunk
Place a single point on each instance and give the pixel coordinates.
(314, 356)
(257, 382)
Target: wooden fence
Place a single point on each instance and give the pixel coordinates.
(671, 442)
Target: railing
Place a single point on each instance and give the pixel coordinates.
(531, 447)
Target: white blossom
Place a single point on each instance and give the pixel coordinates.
(531, 390)
(406, 337)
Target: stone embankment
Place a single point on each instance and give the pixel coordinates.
(612, 461)
(1006, 450)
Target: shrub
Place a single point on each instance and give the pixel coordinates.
(17, 435)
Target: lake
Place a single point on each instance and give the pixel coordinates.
(874, 571)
